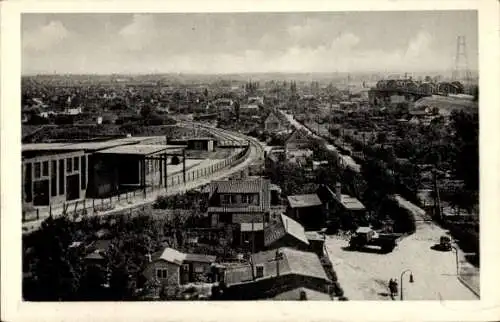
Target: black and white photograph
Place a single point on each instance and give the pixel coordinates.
(287, 156)
(250, 156)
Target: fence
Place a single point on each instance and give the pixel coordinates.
(125, 200)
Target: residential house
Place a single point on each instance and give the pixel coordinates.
(308, 210)
(285, 232)
(170, 267)
(96, 252)
(338, 204)
(297, 145)
(242, 205)
(272, 273)
(272, 123)
(249, 110)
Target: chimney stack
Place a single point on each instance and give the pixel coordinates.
(338, 191)
(148, 256)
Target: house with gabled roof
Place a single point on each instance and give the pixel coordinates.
(244, 206)
(272, 123)
(285, 232)
(307, 209)
(170, 267)
(273, 272)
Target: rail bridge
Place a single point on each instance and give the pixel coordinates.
(411, 90)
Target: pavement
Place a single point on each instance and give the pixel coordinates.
(364, 275)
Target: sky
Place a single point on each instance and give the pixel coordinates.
(99, 43)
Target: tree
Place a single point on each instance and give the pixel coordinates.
(237, 109)
(55, 271)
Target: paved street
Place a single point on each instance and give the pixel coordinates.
(365, 275)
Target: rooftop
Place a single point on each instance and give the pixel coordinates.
(352, 203)
(176, 257)
(284, 226)
(139, 149)
(239, 186)
(308, 200)
(289, 261)
(294, 295)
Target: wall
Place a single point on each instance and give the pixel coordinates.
(173, 272)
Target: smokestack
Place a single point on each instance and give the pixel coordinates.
(338, 191)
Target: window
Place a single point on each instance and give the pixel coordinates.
(198, 269)
(45, 168)
(245, 199)
(83, 173)
(28, 183)
(259, 271)
(53, 178)
(61, 177)
(37, 170)
(226, 199)
(69, 165)
(161, 273)
(76, 164)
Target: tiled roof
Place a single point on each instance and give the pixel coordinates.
(255, 185)
(285, 225)
(308, 200)
(238, 186)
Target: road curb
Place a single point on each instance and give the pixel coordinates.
(470, 288)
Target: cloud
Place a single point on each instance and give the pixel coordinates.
(45, 37)
(139, 34)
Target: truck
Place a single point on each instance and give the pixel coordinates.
(366, 236)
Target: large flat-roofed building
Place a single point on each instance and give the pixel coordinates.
(55, 173)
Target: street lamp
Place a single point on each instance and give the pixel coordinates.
(401, 280)
(456, 257)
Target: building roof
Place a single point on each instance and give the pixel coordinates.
(172, 256)
(285, 225)
(314, 235)
(238, 186)
(257, 226)
(292, 261)
(139, 149)
(351, 203)
(294, 295)
(272, 118)
(308, 200)
(202, 258)
(94, 255)
(176, 257)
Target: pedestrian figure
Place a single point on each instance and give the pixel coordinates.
(393, 288)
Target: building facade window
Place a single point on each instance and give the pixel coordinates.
(259, 271)
(61, 177)
(38, 171)
(53, 178)
(45, 168)
(69, 165)
(76, 164)
(83, 173)
(161, 273)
